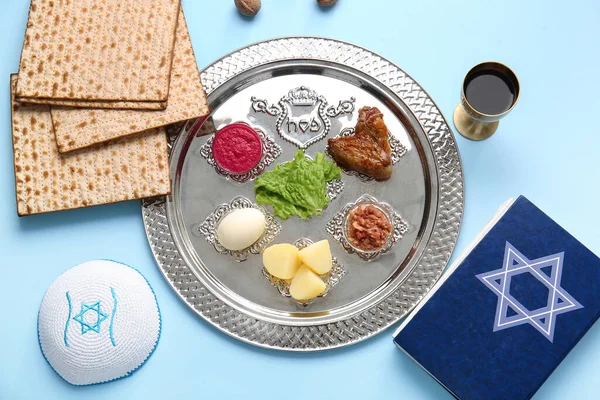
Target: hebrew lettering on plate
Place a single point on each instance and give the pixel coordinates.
(303, 116)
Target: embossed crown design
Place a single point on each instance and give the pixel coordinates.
(303, 96)
(296, 122)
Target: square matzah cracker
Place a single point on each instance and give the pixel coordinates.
(98, 50)
(78, 128)
(124, 169)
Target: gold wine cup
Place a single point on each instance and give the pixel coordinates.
(474, 124)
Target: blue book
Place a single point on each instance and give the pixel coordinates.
(507, 312)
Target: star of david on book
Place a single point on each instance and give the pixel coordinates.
(510, 312)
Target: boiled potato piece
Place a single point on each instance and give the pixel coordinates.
(317, 257)
(306, 285)
(281, 260)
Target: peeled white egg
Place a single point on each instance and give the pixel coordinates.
(241, 228)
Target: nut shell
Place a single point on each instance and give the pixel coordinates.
(326, 3)
(249, 8)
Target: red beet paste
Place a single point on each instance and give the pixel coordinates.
(237, 148)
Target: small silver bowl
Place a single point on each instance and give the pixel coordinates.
(387, 212)
(338, 226)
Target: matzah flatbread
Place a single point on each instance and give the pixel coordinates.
(78, 128)
(124, 169)
(90, 50)
(118, 105)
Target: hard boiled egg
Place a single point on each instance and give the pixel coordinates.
(241, 228)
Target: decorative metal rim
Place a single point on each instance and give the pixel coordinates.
(440, 243)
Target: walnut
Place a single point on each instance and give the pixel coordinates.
(326, 3)
(249, 8)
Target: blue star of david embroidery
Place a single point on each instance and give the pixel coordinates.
(510, 312)
(90, 326)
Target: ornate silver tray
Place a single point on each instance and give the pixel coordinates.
(299, 92)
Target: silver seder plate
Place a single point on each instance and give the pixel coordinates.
(297, 92)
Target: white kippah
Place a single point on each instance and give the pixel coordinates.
(99, 321)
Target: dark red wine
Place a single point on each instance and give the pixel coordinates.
(490, 92)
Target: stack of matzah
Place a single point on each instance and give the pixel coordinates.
(98, 82)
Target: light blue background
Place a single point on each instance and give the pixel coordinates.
(546, 149)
